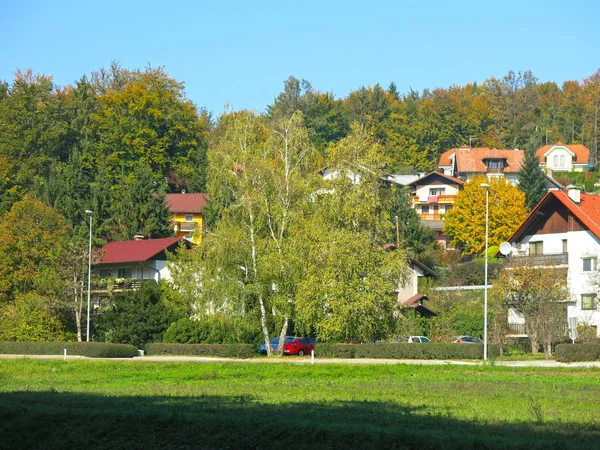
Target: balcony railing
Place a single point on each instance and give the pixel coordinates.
(516, 329)
(438, 199)
(430, 216)
(495, 170)
(557, 259)
(185, 226)
(108, 286)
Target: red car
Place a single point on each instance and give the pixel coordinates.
(299, 346)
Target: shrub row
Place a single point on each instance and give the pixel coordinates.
(406, 351)
(89, 349)
(223, 350)
(577, 352)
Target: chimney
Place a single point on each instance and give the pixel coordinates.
(574, 193)
(138, 237)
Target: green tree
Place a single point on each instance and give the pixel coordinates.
(138, 206)
(136, 317)
(465, 223)
(532, 180)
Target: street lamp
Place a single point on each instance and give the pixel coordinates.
(485, 295)
(87, 335)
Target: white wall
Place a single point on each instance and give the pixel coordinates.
(558, 152)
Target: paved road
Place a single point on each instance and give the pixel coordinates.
(294, 360)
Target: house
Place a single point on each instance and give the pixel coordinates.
(187, 215)
(466, 163)
(563, 230)
(127, 263)
(560, 157)
(434, 195)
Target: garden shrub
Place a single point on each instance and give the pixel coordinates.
(89, 349)
(577, 352)
(216, 329)
(406, 351)
(222, 350)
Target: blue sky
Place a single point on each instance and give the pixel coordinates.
(239, 52)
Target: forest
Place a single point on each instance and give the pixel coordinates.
(117, 140)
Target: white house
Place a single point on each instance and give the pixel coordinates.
(130, 262)
(560, 157)
(564, 230)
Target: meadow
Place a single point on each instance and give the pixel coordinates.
(54, 404)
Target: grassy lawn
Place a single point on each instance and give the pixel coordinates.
(125, 405)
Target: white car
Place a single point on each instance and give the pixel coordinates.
(418, 339)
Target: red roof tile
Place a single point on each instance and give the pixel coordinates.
(470, 160)
(132, 251)
(186, 203)
(582, 153)
(587, 211)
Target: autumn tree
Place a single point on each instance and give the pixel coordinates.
(465, 223)
(31, 235)
(538, 294)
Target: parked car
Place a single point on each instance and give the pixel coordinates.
(418, 339)
(467, 340)
(274, 344)
(299, 346)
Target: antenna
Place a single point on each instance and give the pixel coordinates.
(505, 248)
(471, 137)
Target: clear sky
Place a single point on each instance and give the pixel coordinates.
(239, 52)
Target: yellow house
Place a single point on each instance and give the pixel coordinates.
(187, 215)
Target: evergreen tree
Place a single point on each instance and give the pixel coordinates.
(532, 180)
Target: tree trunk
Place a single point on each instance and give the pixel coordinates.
(548, 350)
(535, 346)
(284, 328)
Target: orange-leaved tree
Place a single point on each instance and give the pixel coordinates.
(465, 223)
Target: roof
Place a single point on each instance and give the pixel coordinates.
(133, 251)
(582, 153)
(423, 267)
(415, 300)
(447, 177)
(587, 211)
(470, 160)
(186, 203)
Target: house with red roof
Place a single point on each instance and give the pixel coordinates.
(561, 157)
(128, 263)
(187, 214)
(466, 162)
(563, 230)
(434, 195)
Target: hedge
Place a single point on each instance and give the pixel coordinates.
(222, 350)
(577, 352)
(89, 349)
(406, 351)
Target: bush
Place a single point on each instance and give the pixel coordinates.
(89, 349)
(577, 352)
(222, 350)
(216, 329)
(406, 351)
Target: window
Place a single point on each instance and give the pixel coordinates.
(448, 208)
(562, 160)
(555, 160)
(425, 209)
(536, 248)
(125, 272)
(588, 301)
(104, 273)
(564, 246)
(589, 264)
(494, 164)
(189, 217)
(437, 191)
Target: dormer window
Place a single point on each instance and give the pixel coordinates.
(494, 164)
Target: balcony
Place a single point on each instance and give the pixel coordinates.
(516, 330)
(435, 216)
(550, 260)
(434, 199)
(495, 170)
(113, 286)
(185, 226)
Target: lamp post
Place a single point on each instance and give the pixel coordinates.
(485, 295)
(87, 335)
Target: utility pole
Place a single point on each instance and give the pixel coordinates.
(397, 234)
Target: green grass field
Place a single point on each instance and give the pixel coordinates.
(126, 405)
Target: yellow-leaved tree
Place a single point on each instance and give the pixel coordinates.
(465, 223)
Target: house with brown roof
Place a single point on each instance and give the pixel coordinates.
(561, 157)
(434, 195)
(466, 162)
(563, 230)
(124, 265)
(187, 215)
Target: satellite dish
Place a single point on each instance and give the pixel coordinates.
(505, 248)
